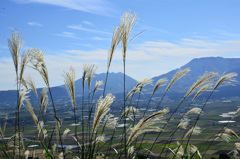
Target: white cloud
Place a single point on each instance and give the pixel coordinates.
(88, 23)
(100, 7)
(68, 35)
(146, 60)
(80, 27)
(99, 38)
(34, 24)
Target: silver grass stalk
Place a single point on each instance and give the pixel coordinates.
(70, 84)
(235, 154)
(194, 149)
(31, 111)
(54, 147)
(17, 143)
(23, 64)
(161, 82)
(86, 68)
(22, 96)
(131, 150)
(15, 44)
(32, 85)
(231, 132)
(194, 111)
(101, 110)
(4, 125)
(60, 156)
(24, 82)
(40, 127)
(194, 130)
(66, 131)
(128, 21)
(57, 127)
(204, 88)
(128, 110)
(116, 38)
(37, 60)
(100, 138)
(178, 75)
(26, 154)
(97, 86)
(224, 136)
(1, 134)
(146, 125)
(236, 113)
(183, 124)
(110, 122)
(206, 78)
(178, 152)
(44, 100)
(227, 79)
(90, 74)
(68, 149)
(237, 145)
(133, 91)
(44, 131)
(144, 82)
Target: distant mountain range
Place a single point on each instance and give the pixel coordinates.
(198, 67)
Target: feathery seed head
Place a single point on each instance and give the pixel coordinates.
(131, 150)
(128, 21)
(23, 64)
(236, 113)
(204, 88)
(128, 110)
(237, 144)
(97, 86)
(90, 74)
(235, 154)
(100, 138)
(194, 149)
(26, 154)
(101, 110)
(116, 38)
(231, 132)
(144, 82)
(70, 84)
(178, 75)
(15, 44)
(44, 99)
(146, 125)
(110, 121)
(68, 149)
(183, 123)
(86, 68)
(194, 110)
(206, 78)
(133, 91)
(161, 82)
(65, 133)
(24, 82)
(31, 111)
(22, 96)
(194, 130)
(32, 85)
(224, 136)
(227, 79)
(37, 60)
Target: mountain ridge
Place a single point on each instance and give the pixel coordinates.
(198, 67)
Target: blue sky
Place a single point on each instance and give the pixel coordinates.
(74, 32)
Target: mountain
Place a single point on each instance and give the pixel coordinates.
(114, 86)
(198, 67)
